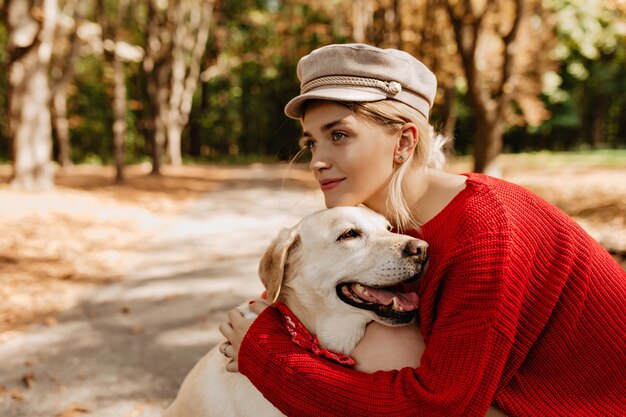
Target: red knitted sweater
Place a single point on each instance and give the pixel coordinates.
(518, 306)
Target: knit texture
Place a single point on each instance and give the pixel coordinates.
(518, 306)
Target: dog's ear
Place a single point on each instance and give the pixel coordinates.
(272, 266)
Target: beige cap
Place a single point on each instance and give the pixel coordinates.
(361, 73)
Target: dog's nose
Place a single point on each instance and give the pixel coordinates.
(416, 248)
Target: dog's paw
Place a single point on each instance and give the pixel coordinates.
(245, 311)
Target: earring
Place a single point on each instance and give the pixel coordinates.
(400, 158)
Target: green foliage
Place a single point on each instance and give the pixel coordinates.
(90, 115)
(241, 112)
(587, 96)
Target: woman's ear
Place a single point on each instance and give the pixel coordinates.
(409, 136)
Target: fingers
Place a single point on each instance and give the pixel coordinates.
(234, 331)
(226, 329)
(229, 352)
(232, 366)
(258, 306)
(236, 319)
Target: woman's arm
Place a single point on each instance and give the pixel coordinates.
(301, 384)
(382, 347)
(385, 348)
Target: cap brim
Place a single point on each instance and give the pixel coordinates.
(293, 109)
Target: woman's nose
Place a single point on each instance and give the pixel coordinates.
(319, 161)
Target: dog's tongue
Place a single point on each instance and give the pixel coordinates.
(408, 301)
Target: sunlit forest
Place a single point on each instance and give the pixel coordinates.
(192, 80)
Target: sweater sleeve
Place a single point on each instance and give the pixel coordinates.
(464, 358)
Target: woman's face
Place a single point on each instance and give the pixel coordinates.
(352, 159)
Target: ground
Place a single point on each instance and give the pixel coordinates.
(43, 267)
(125, 274)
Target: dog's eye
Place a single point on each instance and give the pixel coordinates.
(389, 228)
(349, 234)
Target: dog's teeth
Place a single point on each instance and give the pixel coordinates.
(396, 306)
(360, 289)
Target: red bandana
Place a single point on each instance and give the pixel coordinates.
(303, 338)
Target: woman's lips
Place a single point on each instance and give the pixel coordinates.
(329, 184)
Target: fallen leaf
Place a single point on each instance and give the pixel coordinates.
(170, 297)
(73, 411)
(16, 394)
(28, 379)
(31, 362)
(50, 321)
(136, 329)
(137, 411)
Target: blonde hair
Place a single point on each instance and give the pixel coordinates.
(429, 153)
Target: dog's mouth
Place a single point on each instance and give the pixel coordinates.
(394, 304)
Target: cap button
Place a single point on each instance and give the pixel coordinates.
(394, 87)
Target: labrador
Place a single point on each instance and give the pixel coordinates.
(336, 270)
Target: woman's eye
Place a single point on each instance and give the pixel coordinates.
(309, 144)
(349, 234)
(338, 136)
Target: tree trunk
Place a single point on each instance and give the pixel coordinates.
(174, 134)
(188, 45)
(393, 25)
(159, 82)
(30, 127)
(448, 111)
(487, 104)
(487, 144)
(61, 127)
(157, 68)
(158, 144)
(119, 118)
(195, 130)
(360, 20)
(111, 28)
(61, 73)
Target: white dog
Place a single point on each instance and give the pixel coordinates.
(336, 270)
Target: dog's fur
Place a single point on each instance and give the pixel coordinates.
(304, 268)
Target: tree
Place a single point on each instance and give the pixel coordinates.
(31, 27)
(488, 104)
(176, 37)
(111, 24)
(476, 51)
(588, 92)
(65, 55)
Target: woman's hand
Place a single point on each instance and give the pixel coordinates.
(234, 331)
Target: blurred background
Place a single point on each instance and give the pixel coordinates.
(120, 82)
(142, 140)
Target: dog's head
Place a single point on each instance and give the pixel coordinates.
(345, 260)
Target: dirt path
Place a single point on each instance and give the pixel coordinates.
(124, 350)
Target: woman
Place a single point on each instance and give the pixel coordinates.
(519, 307)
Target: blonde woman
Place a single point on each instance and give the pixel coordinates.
(519, 307)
